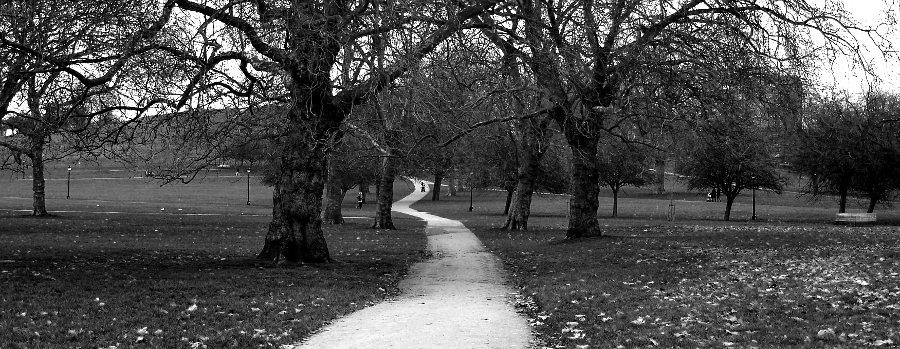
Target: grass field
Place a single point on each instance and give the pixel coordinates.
(789, 279)
(126, 263)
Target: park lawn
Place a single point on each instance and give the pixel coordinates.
(698, 282)
(88, 278)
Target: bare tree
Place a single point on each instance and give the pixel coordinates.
(303, 43)
(622, 164)
(589, 55)
(63, 67)
(851, 148)
(730, 158)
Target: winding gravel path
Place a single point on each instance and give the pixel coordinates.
(458, 299)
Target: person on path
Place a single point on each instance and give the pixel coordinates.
(359, 200)
(423, 186)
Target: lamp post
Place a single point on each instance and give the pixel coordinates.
(471, 192)
(754, 199)
(68, 182)
(248, 186)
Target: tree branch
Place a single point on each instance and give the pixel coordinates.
(245, 27)
(478, 125)
(347, 98)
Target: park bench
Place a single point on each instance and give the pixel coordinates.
(854, 219)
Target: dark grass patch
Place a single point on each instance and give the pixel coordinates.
(149, 279)
(697, 282)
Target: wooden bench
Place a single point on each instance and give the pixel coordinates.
(854, 219)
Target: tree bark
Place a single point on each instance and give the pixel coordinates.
(334, 196)
(521, 209)
(517, 219)
(436, 190)
(295, 233)
(531, 146)
(312, 124)
(842, 192)
(385, 196)
(509, 196)
(872, 202)
(815, 184)
(615, 212)
(585, 189)
(729, 201)
(38, 185)
(660, 175)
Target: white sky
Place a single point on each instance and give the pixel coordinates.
(845, 75)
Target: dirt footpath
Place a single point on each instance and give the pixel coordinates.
(458, 299)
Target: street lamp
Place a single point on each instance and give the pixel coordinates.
(68, 182)
(471, 192)
(754, 199)
(248, 186)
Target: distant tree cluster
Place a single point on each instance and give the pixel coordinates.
(729, 159)
(851, 148)
(623, 164)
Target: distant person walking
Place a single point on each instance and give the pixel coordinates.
(359, 200)
(423, 186)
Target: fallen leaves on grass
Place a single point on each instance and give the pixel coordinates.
(192, 284)
(712, 286)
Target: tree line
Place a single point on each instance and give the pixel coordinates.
(414, 83)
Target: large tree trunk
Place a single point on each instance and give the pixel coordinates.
(295, 233)
(385, 194)
(585, 188)
(660, 175)
(436, 190)
(615, 212)
(39, 205)
(509, 195)
(729, 201)
(814, 184)
(872, 202)
(530, 149)
(521, 209)
(842, 192)
(334, 196)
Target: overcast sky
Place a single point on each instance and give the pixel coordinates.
(850, 78)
